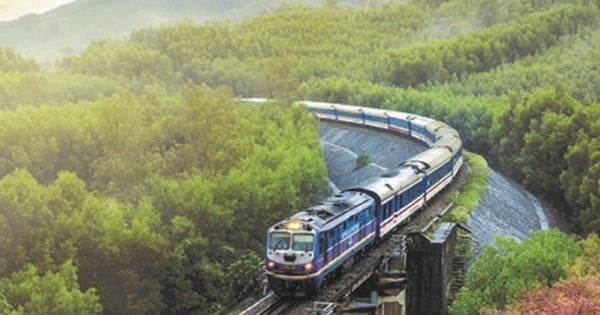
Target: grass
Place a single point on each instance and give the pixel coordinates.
(468, 199)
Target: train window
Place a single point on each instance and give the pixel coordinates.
(302, 241)
(279, 240)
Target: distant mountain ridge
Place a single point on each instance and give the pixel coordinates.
(70, 28)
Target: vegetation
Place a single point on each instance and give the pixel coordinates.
(505, 271)
(148, 203)
(468, 199)
(362, 161)
(579, 294)
(67, 30)
(131, 181)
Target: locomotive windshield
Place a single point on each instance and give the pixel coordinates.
(279, 240)
(303, 242)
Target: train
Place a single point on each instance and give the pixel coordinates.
(303, 250)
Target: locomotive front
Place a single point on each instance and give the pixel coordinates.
(290, 258)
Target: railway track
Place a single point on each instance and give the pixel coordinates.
(272, 304)
(341, 287)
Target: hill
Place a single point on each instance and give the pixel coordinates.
(130, 180)
(70, 28)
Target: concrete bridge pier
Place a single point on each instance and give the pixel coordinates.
(429, 270)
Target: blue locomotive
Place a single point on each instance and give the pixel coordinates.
(306, 248)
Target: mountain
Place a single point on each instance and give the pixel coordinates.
(70, 28)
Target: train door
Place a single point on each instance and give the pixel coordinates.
(323, 248)
(360, 221)
(330, 244)
(334, 242)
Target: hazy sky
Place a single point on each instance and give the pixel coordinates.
(12, 9)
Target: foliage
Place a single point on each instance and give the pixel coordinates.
(133, 162)
(546, 138)
(53, 293)
(506, 268)
(486, 49)
(243, 276)
(468, 199)
(42, 87)
(10, 61)
(578, 295)
(182, 184)
(569, 63)
(588, 264)
(362, 161)
(269, 55)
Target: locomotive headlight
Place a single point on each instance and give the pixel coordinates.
(308, 266)
(270, 264)
(294, 225)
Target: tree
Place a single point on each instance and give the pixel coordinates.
(331, 4)
(53, 293)
(280, 79)
(506, 269)
(24, 220)
(12, 61)
(243, 276)
(588, 264)
(573, 296)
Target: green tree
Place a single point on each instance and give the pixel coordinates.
(12, 61)
(243, 276)
(588, 264)
(24, 220)
(53, 293)
(186, 289)
(507, 268)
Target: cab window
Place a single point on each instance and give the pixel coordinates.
(279, 240)
(303, 242)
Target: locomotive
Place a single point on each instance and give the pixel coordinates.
(303, 250)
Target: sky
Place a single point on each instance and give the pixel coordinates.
(13, 9)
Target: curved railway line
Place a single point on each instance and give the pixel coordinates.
(340, 288)
(361, 269)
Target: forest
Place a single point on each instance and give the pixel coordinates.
(133, 180)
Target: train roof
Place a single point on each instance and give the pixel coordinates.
(436, 127)
(334, 208)
(450, 142)
(435, 155)
(390, 183)
(420, 120)
(361, 109)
